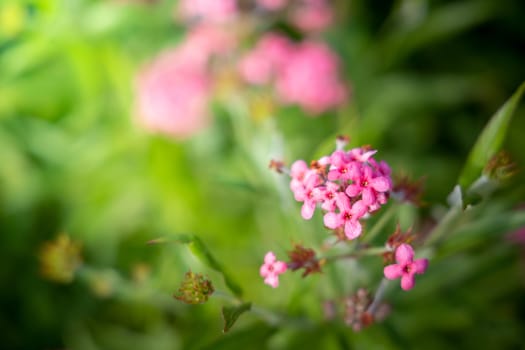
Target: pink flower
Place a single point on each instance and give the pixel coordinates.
(348, 216)
(367, 184)
(307, 193)
(255, 68)
(271, 269)
(172, 95)
(272, 5)
(342, 167)
(313, 15)
(298, 172)
(347, 185)
(328, 195)
(406, 267)
(266, 60)
(218, 11)
(310, 78)
(205, 40)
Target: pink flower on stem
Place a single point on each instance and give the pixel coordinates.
(361, 154)
(368, 185)
(348, 216)
(342, 167)
(406, 267)
(271, 269)
(328, 195)
(307, 194)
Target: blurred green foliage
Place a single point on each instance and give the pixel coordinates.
(426, 76)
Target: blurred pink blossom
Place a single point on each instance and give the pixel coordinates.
(217, 11)
(174, 90)
(310, 78)
(268, 57)
(172, 95)
(306, 74)
(312, 15)
(205, 40)
(272, 5)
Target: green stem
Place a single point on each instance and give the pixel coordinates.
(380, 224)
(378, 296)
(357, 254)
(443, 226)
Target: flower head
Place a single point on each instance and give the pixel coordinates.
(313, 15)
(347, 185)
(215, 11)
(271, 269)
(272, 5)
(172, 95)
(195, 289)
(406, 267)
(310, 78)
(60, 259)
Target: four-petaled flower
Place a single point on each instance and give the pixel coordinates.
(347, 217)
(271, 269)
(406, 267)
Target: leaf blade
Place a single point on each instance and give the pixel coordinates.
(230, 314)
(490, 140)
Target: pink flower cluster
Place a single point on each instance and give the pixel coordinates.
(346, 185)
(174, 90)
(272, 5)
(406, 267)
(271, 269)
(312, 15)
(304, 73)
(218, 11)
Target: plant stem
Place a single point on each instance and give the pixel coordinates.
(357, 254)
(442, 227)
(380, 224)
(378, 296)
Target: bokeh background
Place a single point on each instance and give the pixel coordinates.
(424, 77)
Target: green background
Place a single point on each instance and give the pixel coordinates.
(426, 76)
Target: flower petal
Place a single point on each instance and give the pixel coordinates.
(368, 196)
(332, 220)
(359, 209)
(352, 229)
(407, 281)
(298, 168)
(279, 267)
(264, 271)
(353, 190)
(307, 210)
(404, 254)
(272, 280)
(420, 265)
(343, 202)
(269, 258)
(380, 184)
(393, 271)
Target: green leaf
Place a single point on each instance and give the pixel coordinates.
(230, 314)
(201, 252)
(490, 140)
